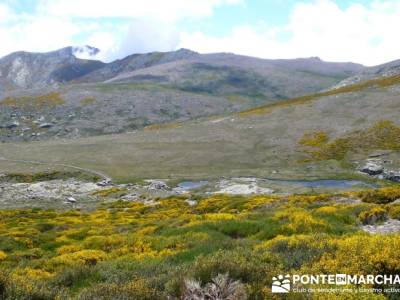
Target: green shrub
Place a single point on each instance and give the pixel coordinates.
(380, 196)
(253, 268)
(394, 211)
(135, 290)
(72, 276)
(296, 251)
(237, 228)
(373, 216)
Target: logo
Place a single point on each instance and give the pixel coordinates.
(303, 283)
(281, 284)
(341, 279)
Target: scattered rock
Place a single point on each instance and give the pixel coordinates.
(191, 202)
(103, 183)
(158, 185)
(392, 176)
(390, 226)
(11, 125)
(45, 125)
(242, 186)
(346, 200)
(66, 191)
(71, 200)
(372, 168)
(379, 154)
(130, 198)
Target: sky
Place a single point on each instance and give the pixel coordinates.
(345, 30)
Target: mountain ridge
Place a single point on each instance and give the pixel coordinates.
(23, 69)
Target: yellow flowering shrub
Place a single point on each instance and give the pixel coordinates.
(314, 139)
(3, 256)
(219, 216)
(139, 249)
(52, 100)
(257, 202)
(308, 199)
(327, 210)
(362, 254)
(105, 243)
(68, 249)
(147, 251)
(380, 196)
(113, 191)
(32, 274)
(394, 211)
(300, 221)
(83, 257)
(384, 135)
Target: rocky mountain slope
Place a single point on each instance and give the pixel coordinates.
(24, 70)
(136, 61)
(55, 94)
(224, 73)
(385, 70)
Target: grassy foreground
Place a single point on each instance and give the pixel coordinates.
(137, 251)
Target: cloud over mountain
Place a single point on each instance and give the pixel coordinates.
(354, 32)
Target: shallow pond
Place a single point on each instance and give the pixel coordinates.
(325, 183)
(191, 185)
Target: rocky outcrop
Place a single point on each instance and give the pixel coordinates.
(390, 226)
(242, 186)
(375, 167)
(392, 176)
(372, 168)
(157, 185)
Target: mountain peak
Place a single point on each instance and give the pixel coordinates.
(85, 52)
(28, 69)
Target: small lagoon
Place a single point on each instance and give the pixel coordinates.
(325, 183)
(192, 185)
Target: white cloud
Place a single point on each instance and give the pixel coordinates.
(34, 34)
(136, 25)
(5, 13)
(166, 10)
(139, 36)
(150, 35)
(359, 33)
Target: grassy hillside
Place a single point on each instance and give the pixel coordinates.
(263, 142)
(138, 251)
